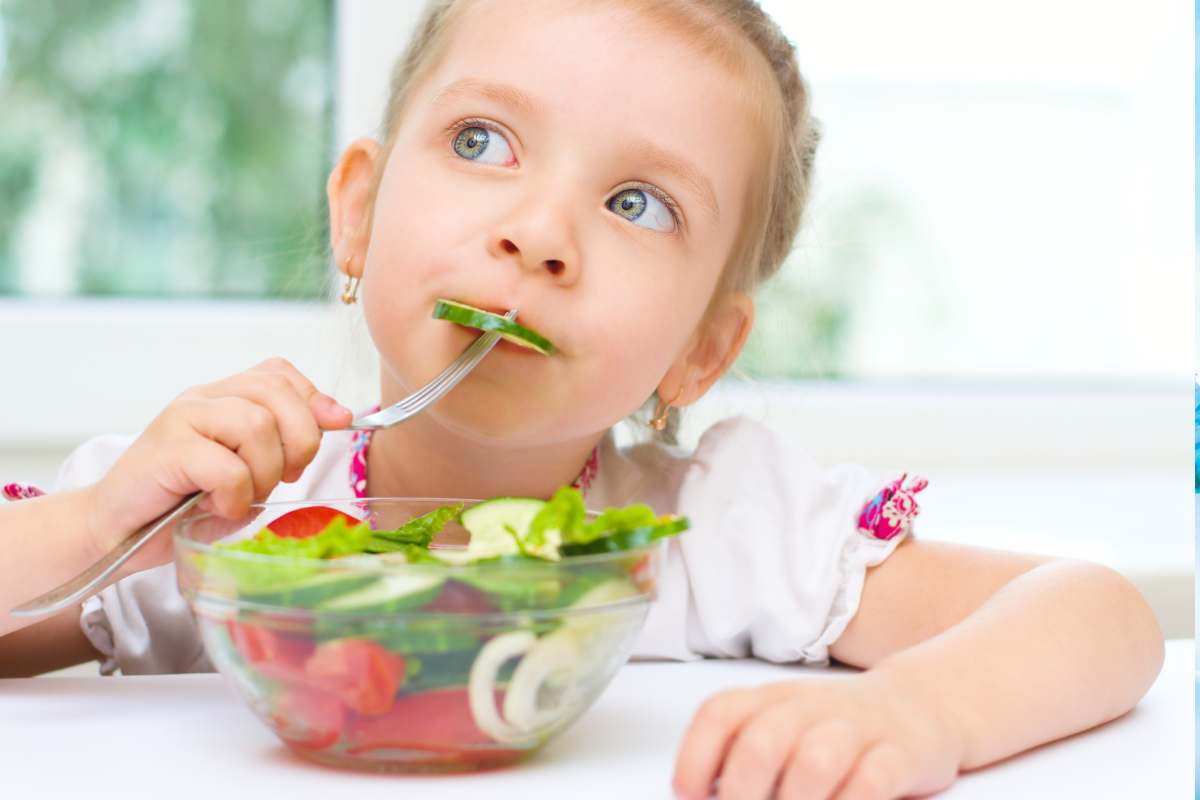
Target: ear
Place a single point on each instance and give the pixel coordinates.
(350, 190)
(711, 352)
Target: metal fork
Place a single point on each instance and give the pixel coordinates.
(90, 579)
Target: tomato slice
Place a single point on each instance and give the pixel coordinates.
(436, 720)
(272, 654)
(641, 574)
(360, 672)
(307, 719)
(457, 597)
(258, 644)
(308, 521)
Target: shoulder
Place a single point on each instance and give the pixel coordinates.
(87, 463)
(737, 458)
(743, 455)
(731, 436)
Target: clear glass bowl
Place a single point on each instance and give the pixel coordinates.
(371, 663)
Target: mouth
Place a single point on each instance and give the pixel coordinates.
(520, 319)
(508, 347)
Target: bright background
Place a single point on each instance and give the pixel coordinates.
(995, 287)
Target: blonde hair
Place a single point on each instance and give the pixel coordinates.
(776, 207)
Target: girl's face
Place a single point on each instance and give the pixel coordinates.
(584, 166)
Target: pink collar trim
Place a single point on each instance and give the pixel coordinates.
(360, 443)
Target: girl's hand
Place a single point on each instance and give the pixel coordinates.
(236, 438)
(855, 737)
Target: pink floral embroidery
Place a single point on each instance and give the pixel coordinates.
(588, 474)
(20, 491)
(360, 443)
(891, 512)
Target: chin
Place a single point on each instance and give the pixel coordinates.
(476, 421)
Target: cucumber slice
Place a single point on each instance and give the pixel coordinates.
(310, 590)
(613, 590)
(406, 636)
(493, 523)
(387, 595)
(472, 317)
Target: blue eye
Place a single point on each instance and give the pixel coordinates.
(644, 209)
(483, 145)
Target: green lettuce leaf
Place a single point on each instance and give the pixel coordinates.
(628, 538)
(612, 521)
(337, 539)
(421, 530)
(624, 528)
(563, 512)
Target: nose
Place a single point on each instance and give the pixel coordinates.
(538, 239)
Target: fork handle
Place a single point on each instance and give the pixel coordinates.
(86, 582)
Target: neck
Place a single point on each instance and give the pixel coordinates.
(420, 458)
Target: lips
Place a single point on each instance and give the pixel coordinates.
(520, 319)
(501, 310)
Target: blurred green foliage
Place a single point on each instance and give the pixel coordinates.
(179, 148)
(165, 148)
(805, 314)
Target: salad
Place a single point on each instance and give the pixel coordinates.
(360, 642)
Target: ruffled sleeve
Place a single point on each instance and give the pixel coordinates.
(83, 467)
(777, 555)
(140, 624)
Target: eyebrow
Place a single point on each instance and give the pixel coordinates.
(686, 172)
(474, 87)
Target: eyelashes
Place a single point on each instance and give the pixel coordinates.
(473, 141)
(481, 141)
(645, 203)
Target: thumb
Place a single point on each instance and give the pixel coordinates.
(330, 414)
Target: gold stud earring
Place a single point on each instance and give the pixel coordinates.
(350, 294)
(659, 422)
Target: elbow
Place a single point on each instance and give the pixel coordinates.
(1124, 606)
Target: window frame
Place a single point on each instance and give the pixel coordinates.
(75, 368)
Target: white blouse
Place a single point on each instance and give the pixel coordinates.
(772, 567)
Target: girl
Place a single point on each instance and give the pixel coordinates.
(625, 174)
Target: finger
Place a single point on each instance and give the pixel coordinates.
(298, 430)
(247, 429)
(884, 772)
(214, 468)
(820, 760)
(330, 414)
(707, 739)
(759, 752)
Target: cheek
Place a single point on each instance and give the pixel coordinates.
(416, 240)
(634, 336)
(410, 218)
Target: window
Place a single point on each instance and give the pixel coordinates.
(1013, 242)
(164, 148)
(992, 287)
(1003, 193)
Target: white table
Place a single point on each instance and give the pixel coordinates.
(185, 736)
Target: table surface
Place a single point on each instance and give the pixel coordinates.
(183, 736)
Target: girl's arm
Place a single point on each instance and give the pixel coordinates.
(52, 548)
(1019, 650)
(971, 655)
(235, 439)
(56, 642)
(45, 545)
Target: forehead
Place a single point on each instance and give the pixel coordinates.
(605, 66)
